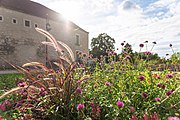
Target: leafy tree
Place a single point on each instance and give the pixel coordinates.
(175, 57)
(101, 44)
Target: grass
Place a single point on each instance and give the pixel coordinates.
(8, 81)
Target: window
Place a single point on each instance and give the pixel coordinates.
(14, 21)
(1, 18)
(77, 38)
(27, 23)
(35, 25)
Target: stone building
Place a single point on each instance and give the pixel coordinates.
(21, 43)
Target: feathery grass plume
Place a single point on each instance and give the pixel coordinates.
(62, 56)
(17, 89)
(68, 49)
(58, 46)
(35, 64)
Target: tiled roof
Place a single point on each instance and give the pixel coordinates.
(33, 8)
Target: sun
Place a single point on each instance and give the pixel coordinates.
(68, 9)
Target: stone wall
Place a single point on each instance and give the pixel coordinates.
(20, 44)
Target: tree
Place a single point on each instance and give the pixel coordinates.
(101, 44)
(175, 57)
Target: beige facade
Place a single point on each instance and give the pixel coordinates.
(21, 43)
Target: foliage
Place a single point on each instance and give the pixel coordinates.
(101, 44)
(8, 81)
(110, 91)
(176, 57)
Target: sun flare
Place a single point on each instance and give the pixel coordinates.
(68, 9)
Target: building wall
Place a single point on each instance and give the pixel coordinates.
(20, 44)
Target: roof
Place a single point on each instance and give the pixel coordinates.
(33, 8)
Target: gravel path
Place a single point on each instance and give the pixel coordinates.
(8, 71)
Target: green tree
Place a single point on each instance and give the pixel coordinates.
(101, 44)
(175, 58)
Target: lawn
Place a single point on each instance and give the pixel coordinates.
(8, 81)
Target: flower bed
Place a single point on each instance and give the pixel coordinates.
(116, 90)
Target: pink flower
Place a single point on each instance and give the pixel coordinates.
(3, 107)
(108, 84)
(145, 116)
(154, 116)
(133, 117)
(144, 94)
(80, 107)
(141, 77)
(159, 77)
(163, 86)
(21, 84)
(157, 99)
(120, 104)
(122, 44)
(78, 81)
(127, 57)
(115, 53)
(132, 109)
(27, 116)
(159, 85)
(154, 42)
(79, 90)
(169, 93)
(169, 75)
(173, 118)
(141, 45)
(7, 103)
(147, 53)
(170, 45)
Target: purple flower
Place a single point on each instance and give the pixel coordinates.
(144, 94)
(120, 104)
(154, 42)
(159, 77)
(84, 55)
(173, 118)
(170, 45)
(80, 107)
(159, 85)
(141, 77)
(127, 57)
(42, 91)
(21, 84)
(18, 104)
(108, 84)
(169, 93)
(125, 53)
(79, 90)
(157, 99)
(169, 75)
(147, 53)
(163, 86)
(114, 53)
(141, 45)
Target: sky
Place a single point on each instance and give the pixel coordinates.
(133, 21)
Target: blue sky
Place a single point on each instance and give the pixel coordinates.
(133, 21)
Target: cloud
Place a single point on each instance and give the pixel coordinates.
(128, 20)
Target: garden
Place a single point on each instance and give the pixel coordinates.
(110, 87)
